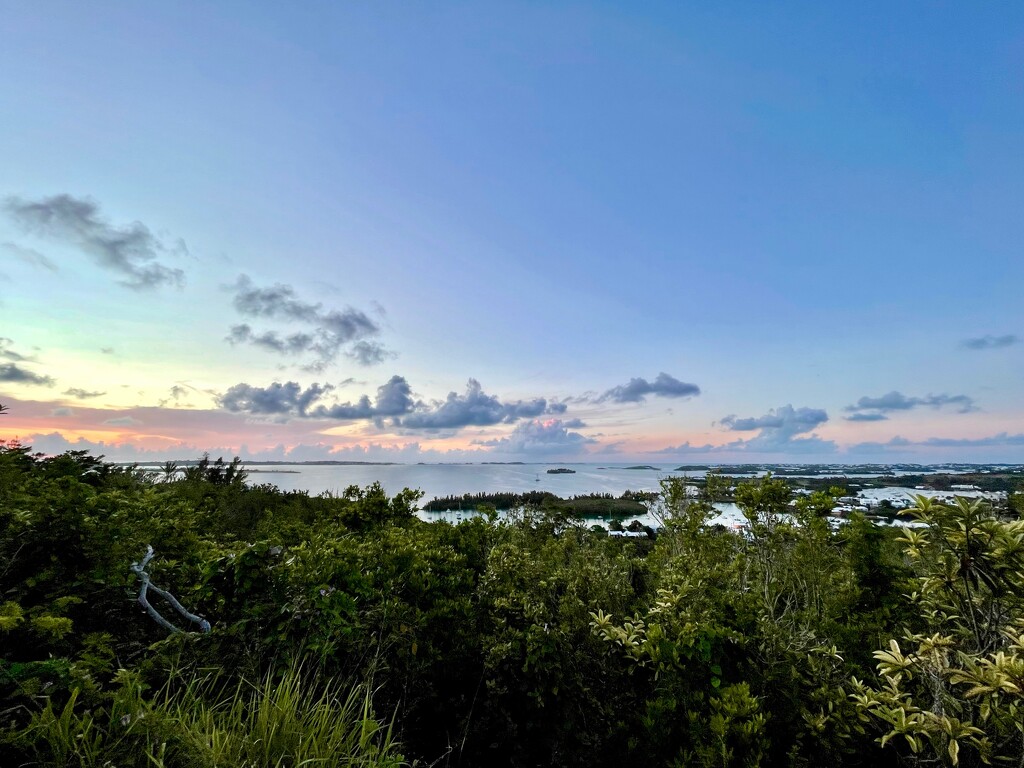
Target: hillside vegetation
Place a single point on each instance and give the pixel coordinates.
(342, 630)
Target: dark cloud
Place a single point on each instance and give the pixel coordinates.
(327, 332)
(82, 394)
(288, 399)
(867, 417)
(62, 412)
(278, 301)
(539, 437)
(787, 418)
(393, 401)
(131, 251)
(394, 398)
(29, 256)
(293, 344)
(574, 424)
(991, 342)
(557, 408)
(6, 353)
(12, 373)
(107, 350)
(873, 407)
(369, 353)
(474, 408)
(779, 430)
(637, 390)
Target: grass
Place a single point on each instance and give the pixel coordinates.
(288, 722)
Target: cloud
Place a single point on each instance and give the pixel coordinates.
(176, 394)
(637, 390)
(867, 417)
(293, 344)
(82, 394)
(29, 256)
(539, 437)
(394, 398)
(54, 443)
(369, 353)
(875, 408)
(107, 350)
(474, 408)
(12, 373)
(131, 251)
(878, 447)
(688, 448)
(6, 353)
(326, 333)
(288, 399)
(778, 431)
(787, 419)
(393, 401)
(1002, 439)
(278, 301)
(991, 342)
(62, 412)
(123, 421)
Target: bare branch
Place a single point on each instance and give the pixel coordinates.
(139, 569)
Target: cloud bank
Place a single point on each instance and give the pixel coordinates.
(877, 408)
(540, 438)
(393, 401)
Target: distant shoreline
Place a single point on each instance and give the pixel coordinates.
(783, 469)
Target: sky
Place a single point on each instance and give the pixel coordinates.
(666, 232)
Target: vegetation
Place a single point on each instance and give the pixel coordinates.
(346, 631)
(629, 504)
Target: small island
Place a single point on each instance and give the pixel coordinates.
(561, 471)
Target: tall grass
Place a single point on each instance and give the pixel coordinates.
(291, 722)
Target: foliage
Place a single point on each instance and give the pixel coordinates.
(291, 721)
(518, 640)
(953, 691)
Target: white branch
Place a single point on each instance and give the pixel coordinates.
(139, 569)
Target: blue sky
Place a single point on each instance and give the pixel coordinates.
(790, 206)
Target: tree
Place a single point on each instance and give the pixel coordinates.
(953, 692)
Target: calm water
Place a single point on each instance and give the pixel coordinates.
(458, 479)
(436, 480)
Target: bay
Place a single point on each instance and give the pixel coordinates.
(437, 480)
